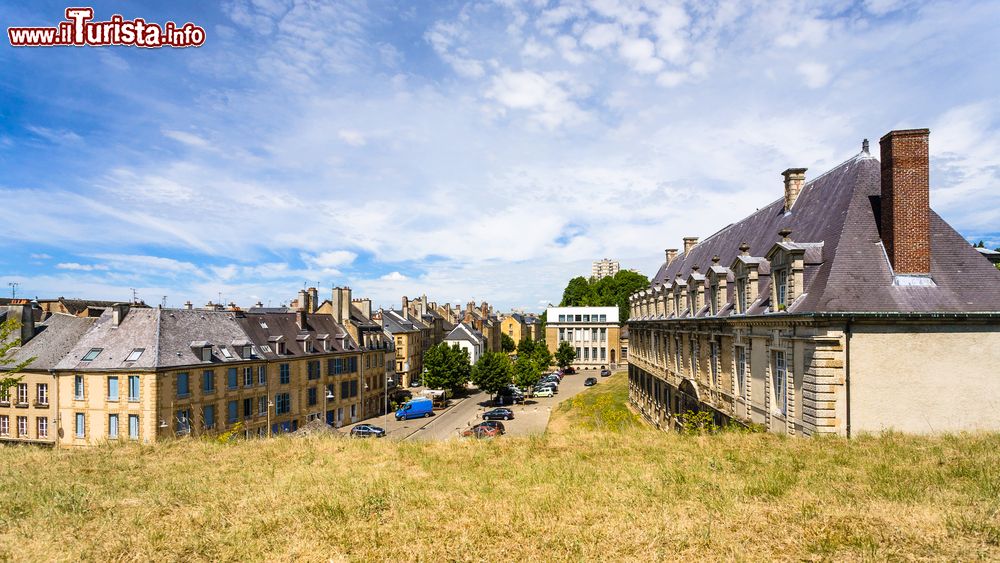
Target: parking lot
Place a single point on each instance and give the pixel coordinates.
(529, 418)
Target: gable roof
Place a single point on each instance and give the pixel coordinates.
(463, 331)
(54, 338)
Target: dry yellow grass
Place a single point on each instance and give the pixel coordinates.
(577, 493)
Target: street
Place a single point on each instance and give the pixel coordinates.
(529, 418)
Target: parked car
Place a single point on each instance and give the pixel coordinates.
(550, 385)
(480, 431)
(590, 381)
(367, 431)
(498, 414)
(502, 400)
(494, 424)
(415, 408)
(543, 392)
(605, 372)
(569, 371)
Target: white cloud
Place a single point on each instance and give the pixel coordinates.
(393, 276)
(80, 267)
(330, 259)
(187, 138)
(351, 137)
(40, 257)
(816, 75)
(641, 55)
(543, 95)
(601, 36)
(57, 136)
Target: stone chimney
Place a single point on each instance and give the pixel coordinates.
(118, 313)
(313, 300)
(365, 305)
(301, 318)
(188, 305)
(303, 301)
(689, 243)
(795, 178)
(406, 304)
(905, 214)
(671, 254)
(340, 304)
(20, 311)
(423, 305)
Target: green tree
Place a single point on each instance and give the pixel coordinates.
(565, 355)
(9, 339)
(507, 343)
(577, 293)
(492, 372)
(526, 347)
(526, 372)
(980, 244)
(446, 367)
(542, 356)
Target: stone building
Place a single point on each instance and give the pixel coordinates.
(593, 332)
(845, 306)
(514, 326)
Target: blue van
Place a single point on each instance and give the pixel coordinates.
(415, 408)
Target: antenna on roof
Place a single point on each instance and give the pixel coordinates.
(163, 302)
(13, 289)
(864, 146)
(135, 295)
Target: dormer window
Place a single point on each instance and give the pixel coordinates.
(741, 296)
(781, 288)
(247, 351)
(715, 298)
(206, 354)
(281, 348)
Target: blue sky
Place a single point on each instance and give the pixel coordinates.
(485, 150)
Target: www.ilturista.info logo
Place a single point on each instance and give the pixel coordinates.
(79, 30)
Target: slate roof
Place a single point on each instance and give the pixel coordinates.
(53, 339)
(851, 272)
(138, 330)
(463, 331)
(286, 325)
(395, 322)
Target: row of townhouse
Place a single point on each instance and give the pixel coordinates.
(150, 373)
(846, 306)
(519, 326)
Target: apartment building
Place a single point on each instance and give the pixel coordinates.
(845, 306)
(514, 326)
(468, 339)
(604, 268)
(407, 343)
(146, 374)
(593, 332)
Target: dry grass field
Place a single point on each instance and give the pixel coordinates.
(597, 486)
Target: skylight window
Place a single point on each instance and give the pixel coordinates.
(266, 348)
(92, 354)
(136, 353)
(226, 353)
(263, 324)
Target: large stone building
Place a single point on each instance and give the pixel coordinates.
(468, 339)
(407, 342)
(845, 306)
(150, 373)
(593, 332)
(514, 326)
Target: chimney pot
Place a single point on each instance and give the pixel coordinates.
(905, 200)
(671, 254)
(795, 178)
(689, 243)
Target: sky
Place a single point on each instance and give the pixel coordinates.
(485, 150)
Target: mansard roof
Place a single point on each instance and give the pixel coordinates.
(850, 272)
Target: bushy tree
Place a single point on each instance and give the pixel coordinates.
(526, 347)
(577, 293)
(526, 372)
(492, 372)
(446, 367)
(9, 377)
(542, 356)
(565, 355)
(611, 291)
(507, 343)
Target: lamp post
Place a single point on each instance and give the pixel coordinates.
(270, 404)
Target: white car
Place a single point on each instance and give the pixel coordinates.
(544, 392)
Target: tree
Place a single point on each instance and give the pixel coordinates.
(446, 367)
(506, 343)
(526, 347)
(565, 355)
(526, 372)
(577, 293)
(8, 342)
(492, 372)
(610, 291)
(979, 244)
(542, 357)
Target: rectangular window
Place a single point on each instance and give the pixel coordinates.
(586, 318)
(133, 427)
(354, 388)
(677, 353)
(284, 374)
(92, 354)
(694, 358)
(562, 318)
(4, 425)
(261, 375)
(183, 419)
(352, 364)
(313, 369)
(579, 318)
(354, 411)
(232, 411)
(22, 393)
(741, 296)
(43, 427)
(604, 351)
(232, 378)
(780, 383)
(135, 354)
(206, 354)
(208, 415)
(78, 387)
(741, 370)
(22, 427)
(248, 377)
(183, 385)
(81, 425)
(262, 406)
(312, 396)
(345, 390)
(5, 395)
(42, 393)
(113, 388)
(715, 363)
(113, 426)
(133, 388)
(247, 407)
(715, 299)
(282, 403)
(208, 381)
(782, 287)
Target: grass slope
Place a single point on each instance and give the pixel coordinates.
(582, 491)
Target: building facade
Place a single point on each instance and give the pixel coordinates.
(846, 306)
(514, 326)
(408, 345)
(468, 339)
(604, 268)
(593, 332)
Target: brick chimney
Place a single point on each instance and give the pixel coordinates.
(340, 304)
(795, 178)
(689, 243)
(313, 300)
(20, 311)
(905, 214)
(671, 254)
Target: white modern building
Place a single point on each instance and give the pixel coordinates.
(593, 332)
(468, 339)
(604, 268)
